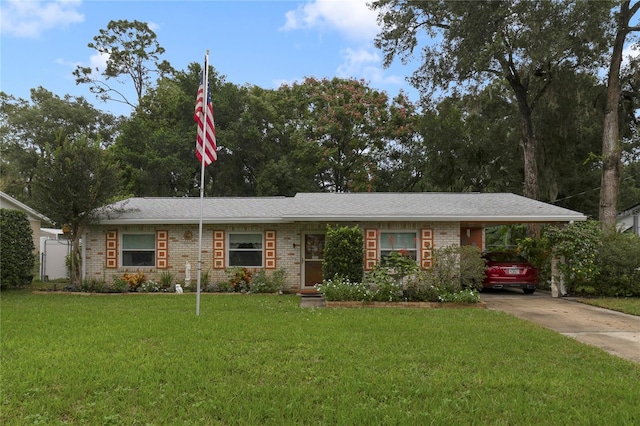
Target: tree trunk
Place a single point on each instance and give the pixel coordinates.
(76, 263)
(528, 144)
(611, 147)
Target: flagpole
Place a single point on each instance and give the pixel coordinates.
(205, 84)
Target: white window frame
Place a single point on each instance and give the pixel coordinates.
(123, 250)
(232, 250)
(383, 252)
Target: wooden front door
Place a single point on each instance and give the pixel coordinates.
(313, 256)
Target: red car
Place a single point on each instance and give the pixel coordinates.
(506, 269)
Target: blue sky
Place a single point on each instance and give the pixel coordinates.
(264, 43)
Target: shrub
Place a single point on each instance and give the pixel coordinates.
(384, 284)
(344, 253)
(265, 283)
(618, 264)
(16, 249)
(342, 289)
(134, 281)
(151, 287)
(421, 289)
(538, 252)
(578, 243)
(240, 279)
(120, 285)
(472, 267)
(166, 279)
(455, 276)
(466, 295)
(93, 285)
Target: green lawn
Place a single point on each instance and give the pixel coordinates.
(628, 305)
(247, 360)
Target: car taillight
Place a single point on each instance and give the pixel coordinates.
(494, 270)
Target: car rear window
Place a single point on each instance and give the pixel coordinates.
(504, 257)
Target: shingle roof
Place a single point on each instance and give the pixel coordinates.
(422, 206)
(8, 202)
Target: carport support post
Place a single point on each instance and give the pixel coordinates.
(557, 280)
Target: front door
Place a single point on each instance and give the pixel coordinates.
(313, 256)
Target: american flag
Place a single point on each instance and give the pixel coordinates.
(206, 149)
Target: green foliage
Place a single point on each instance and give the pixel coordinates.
(383, 285)
(343, 289)
(132, 50)
(400, 280)
(166, 279)
(31, 130)
(263, 282)
(472, 267)
(578, 243)
(619, 265)
(595, 262)
(74, 182)
(120, 285)
(538, 252)
(16, 249)
(344, 253)
(240, 279)
(94, 285)
(150, 286)
(457, 267)
(134, 281)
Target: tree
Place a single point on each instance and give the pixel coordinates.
(518, 43)
(348, 121)
(74, 181)
(16, 249)
(611, 144)
(28, 129)
(132, 49)
(156, 145)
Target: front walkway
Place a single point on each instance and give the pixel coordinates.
(614, 332)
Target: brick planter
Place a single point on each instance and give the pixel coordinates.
(335, 304)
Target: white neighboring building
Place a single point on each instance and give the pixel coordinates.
(54, 248)
(629, 220)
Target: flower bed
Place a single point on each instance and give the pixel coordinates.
(353, 304)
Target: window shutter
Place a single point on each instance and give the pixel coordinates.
(426, 248)
(270, 250)
(218, 249)
(162, 249)
(370, 249)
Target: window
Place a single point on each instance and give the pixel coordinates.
(245, 250)
(138, 250)
(403, 242)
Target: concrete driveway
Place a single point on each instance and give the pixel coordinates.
(615, 332)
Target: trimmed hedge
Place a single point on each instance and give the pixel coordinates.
(16, 249)
(344, 253)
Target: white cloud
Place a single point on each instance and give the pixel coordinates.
(31, 18)
(362, 63)
(352, 18)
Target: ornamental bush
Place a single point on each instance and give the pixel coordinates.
(618, 264)
(268, 283)
(16, 249)
(344, 253)
(400, 280)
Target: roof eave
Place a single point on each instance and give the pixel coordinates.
(230, 221)
(371, 218)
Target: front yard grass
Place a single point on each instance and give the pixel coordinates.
(246, 360)
(628, 305)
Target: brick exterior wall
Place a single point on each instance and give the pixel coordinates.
(183, 247)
